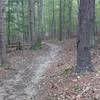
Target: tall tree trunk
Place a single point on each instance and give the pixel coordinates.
(69, 21)
(60, 19)
(8, 22)
(30, 2)
(93, 25)
(69, 18)
(40, 15)
(2, 35)
(83, 37)
(34, 18)
(63, 19)
(53, 24)
(23, 21)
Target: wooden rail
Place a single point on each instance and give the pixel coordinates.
(18, 46)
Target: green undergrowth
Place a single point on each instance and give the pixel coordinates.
(68, 71)
(4, 65)
(77, 88)
(38, 45)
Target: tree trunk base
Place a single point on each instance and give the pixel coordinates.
(80, 70)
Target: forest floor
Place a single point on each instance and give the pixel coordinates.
(47, 74)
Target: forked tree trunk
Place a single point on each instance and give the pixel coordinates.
(83, 37)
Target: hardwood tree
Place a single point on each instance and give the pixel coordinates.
(53, 23)
(93, 24)
(30, 2)
(83, 37)
(23, 21)
(63, 19)
(69, 19)
(8, 21)
(60, 20)
(40, 19)
(3, 57)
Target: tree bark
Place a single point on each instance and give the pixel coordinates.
(53, 25)
(3, 57)
(69, 26)
(83, 37)
(40, 19)
(30, 2)
(93, 26)
(60, 19)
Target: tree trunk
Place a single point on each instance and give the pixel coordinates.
(30, 2)
(8, 22)
(40, 15)
(53, 24)
(60, 19)
(69, 26)
(2, 35)
(93, 26)
(83, 37)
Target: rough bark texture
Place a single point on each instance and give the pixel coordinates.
(2, 36)
(83, 37)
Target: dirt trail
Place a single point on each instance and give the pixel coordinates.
(22, 84)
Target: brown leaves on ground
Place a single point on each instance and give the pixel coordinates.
(3, 72)
(62, 85)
